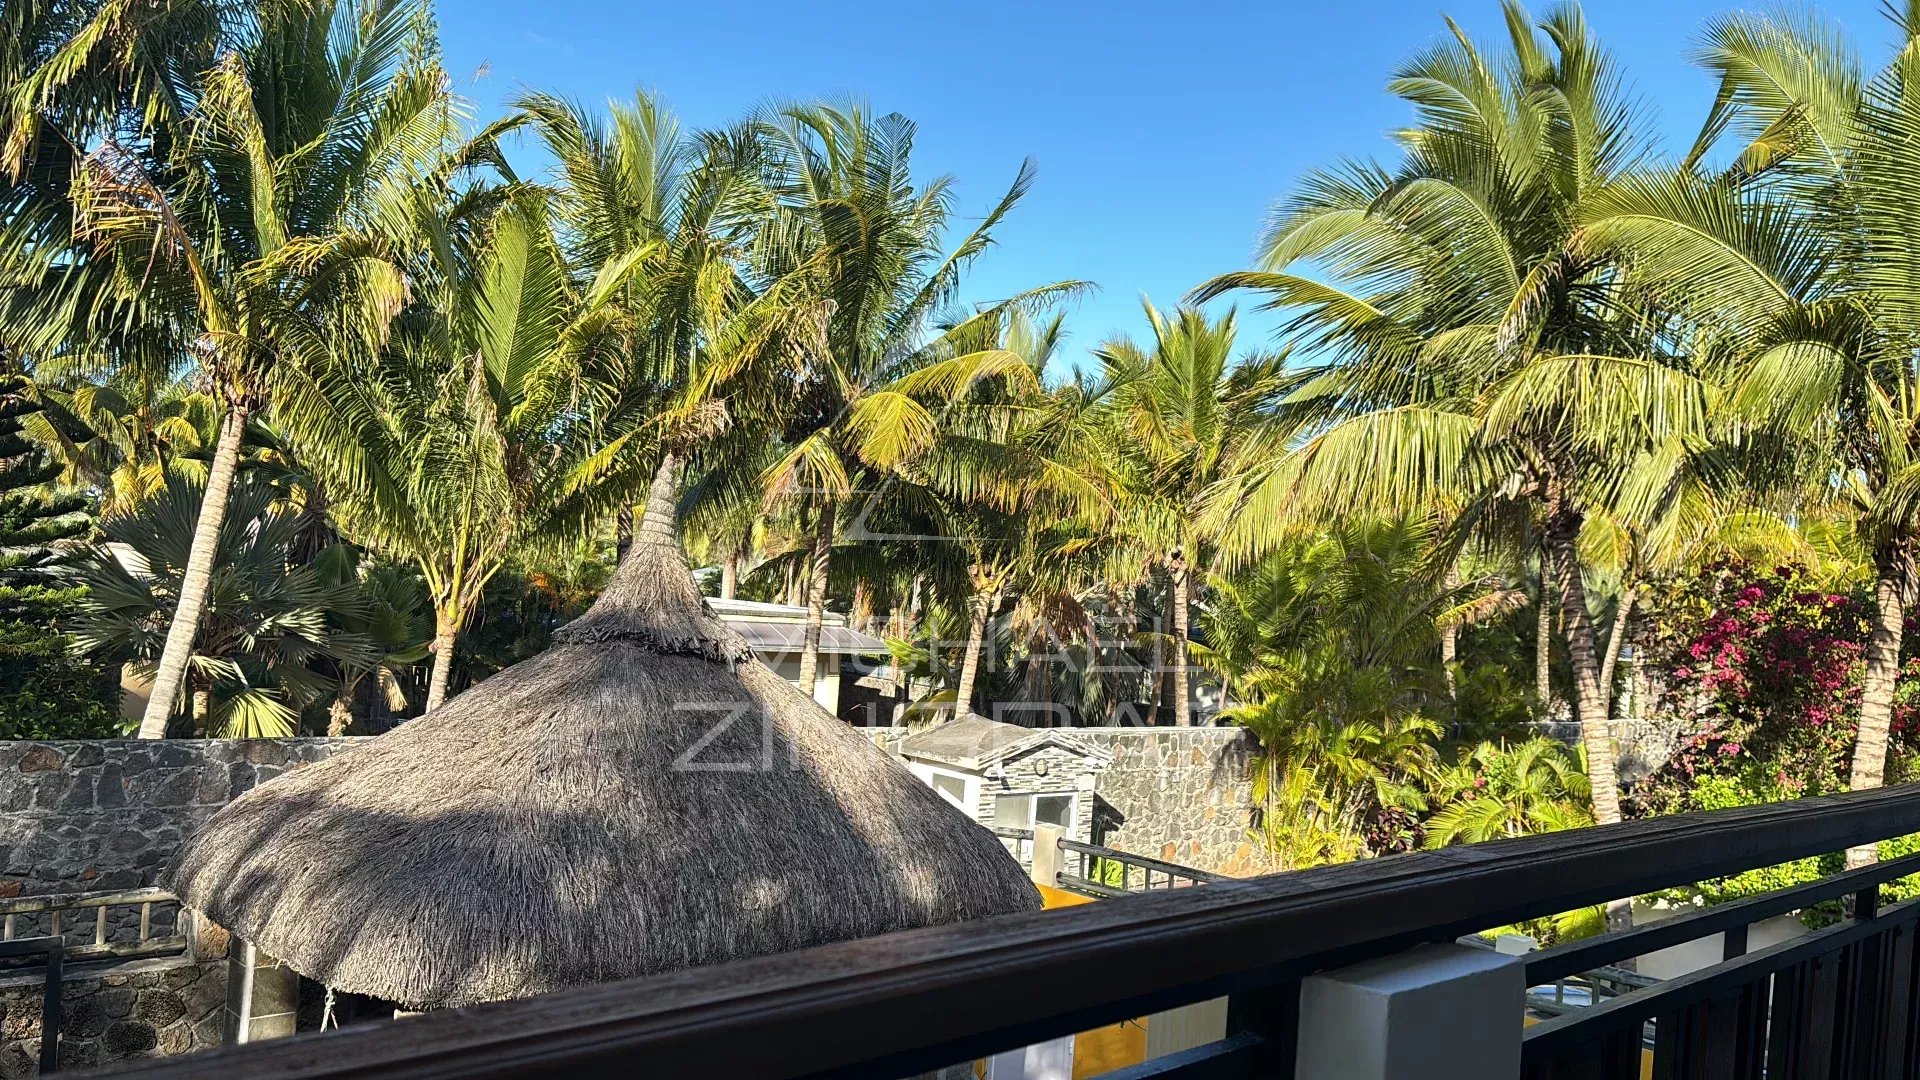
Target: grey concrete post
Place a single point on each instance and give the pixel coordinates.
(1047, 856)
(262, 995)
(1439, 1012)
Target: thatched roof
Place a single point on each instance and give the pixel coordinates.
(643, 796)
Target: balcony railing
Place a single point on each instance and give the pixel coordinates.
(1839, 1002)
(1093, 870)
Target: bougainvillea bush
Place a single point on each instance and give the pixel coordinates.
(1766, 665)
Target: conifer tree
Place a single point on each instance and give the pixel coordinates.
(46, 690)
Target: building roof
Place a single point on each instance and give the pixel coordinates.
(776, 628)
(641, 797)
(974, 742)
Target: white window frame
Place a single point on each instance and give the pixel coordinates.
(1033, 804)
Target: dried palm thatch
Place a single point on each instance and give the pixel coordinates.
(643, 796)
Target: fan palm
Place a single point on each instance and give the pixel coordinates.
(254, 213)
(394, 618)
(268, 622)
(1481, 359)
(1798, 263)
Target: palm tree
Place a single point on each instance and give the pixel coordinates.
(1482, 359)
(1184, 427)
(1337, 748)
(269, 620)
(1797, 264)
(476, 436)
(849, 227)
(1016, 497)
(122, 438)
(251, 214)
(1497, 790)
(394, 618)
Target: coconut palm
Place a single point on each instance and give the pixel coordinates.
(1481, 359)
(1798, 263)
(850, 228)
(123, 437)
(476, 435)
(253, 213)
(668, 215)
(269, 620)
(1183, 426)
(1018, 499)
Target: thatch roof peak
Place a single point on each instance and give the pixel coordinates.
(652, 601)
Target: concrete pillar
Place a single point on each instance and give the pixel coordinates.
(262, 995)
(1047, 856)
(1439, 1012)
(1186, 1027)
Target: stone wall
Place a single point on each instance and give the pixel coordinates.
(1178, 794)
(107, 814)
(145, 1008)
(96, 815)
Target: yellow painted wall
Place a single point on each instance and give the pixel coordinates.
(1115, 1046)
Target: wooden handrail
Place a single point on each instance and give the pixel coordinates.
(903, 1003)
(23, 905)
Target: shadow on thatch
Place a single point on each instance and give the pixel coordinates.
(639, 798)
(522, 861)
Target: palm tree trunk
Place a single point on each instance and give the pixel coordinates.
(902, 692)
(622, 532)
(1893, 594)
(1450, 633)
(1543, 637)
(446, 628)
(816, 599)
(1182, 594)
(1596, 733)
(861, 615)
(172, 668)
(730, 575)
(1591, 702)
(980, 608)
(1621, 617)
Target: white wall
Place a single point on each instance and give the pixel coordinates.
(826, 689)
(1692, 956)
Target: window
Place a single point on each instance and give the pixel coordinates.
(952, 788)
(1024, 811)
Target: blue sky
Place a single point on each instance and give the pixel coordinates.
(1162, 131)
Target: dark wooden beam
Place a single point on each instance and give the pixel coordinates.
(906, 1002)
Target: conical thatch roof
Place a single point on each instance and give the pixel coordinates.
(643, 796)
